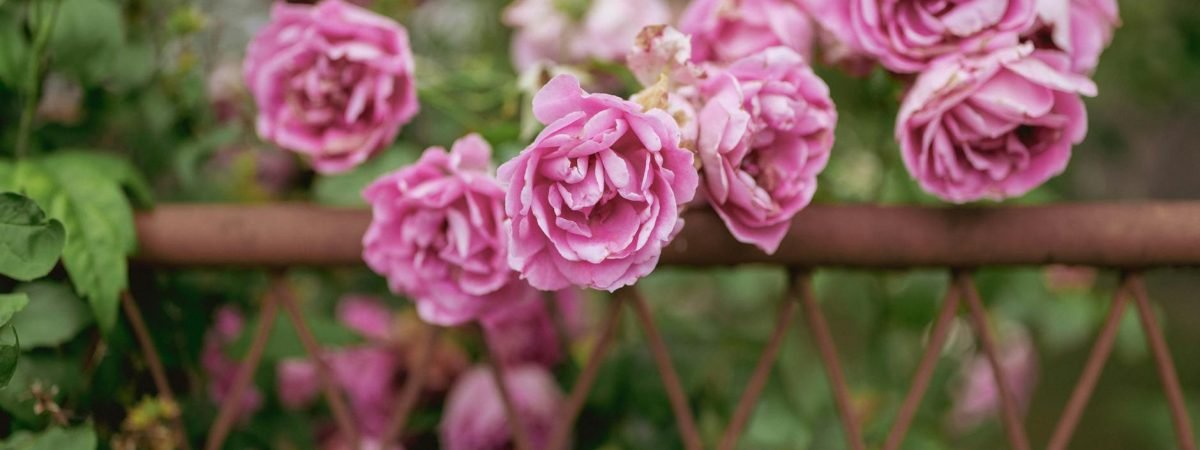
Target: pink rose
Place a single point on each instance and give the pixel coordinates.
(220, 368)
(727, 30)
(907, 35)
(525, 332)
(994, 126)
(604, 29)
(437, 234)
(1080, 28)
(366, 375)
(597, 194)
(978, 397)
(765, 132)
(332, 81)
(366, 315)
(474, 416)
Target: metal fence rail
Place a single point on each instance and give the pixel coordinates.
(1126, 237)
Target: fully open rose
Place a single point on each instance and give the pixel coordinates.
(597, 194)
(907, 35)
(333, 82)
(994, 126)
(437, 234)
(725, 30)
(765, 132)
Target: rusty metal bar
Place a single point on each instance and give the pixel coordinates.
(762, 372)
(1091, 369)
(332, 393)
(406, 400)
(560, 435)
(929, 360)
(227, 414)
(1166, 366)
(1134, 235)
(684, 419)
(1010, 411)
(500, 377)
(829, 356)
(154, 362)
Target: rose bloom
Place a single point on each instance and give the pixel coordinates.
(1080, 28)
(526, 332)
(726, 30)
(437, 234)
(765, 132)
(994, 126)
(333, 82)
(220, 368)
(604, 30)
(597, 194)
(907, 35)
(474, 416)
(978, 396)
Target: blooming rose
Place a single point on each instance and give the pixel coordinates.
(1080, 28)
(907, 35)
(978, 397)
(597, 194)
(332, 81)
(765, 132)
(220, 368)
(994, 126)
(474, 416)
(525, 332)
(726, 30)
(605, 30)
(437, 234)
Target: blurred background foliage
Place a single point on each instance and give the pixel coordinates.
(159, 82)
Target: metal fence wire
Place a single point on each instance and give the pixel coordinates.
(1127, 238)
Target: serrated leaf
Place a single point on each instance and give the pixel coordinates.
(11, 304)
(9, 354)
(77, 438)
(54, 315)
(30, 242)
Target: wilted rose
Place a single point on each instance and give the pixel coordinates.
(765, 132)
(994, 126)
(437, 234)
(597, 195)
(332, 81)
(907, 35)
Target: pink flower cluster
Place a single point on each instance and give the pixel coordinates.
(220, 368)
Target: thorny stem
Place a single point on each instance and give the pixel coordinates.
(46, 18)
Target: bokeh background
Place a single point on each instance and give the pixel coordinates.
(159, 81)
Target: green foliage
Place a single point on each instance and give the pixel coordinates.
(346, 189)
(78, 438)
(54, 315)
(30, 243)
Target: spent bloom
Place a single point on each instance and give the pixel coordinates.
(570, 32)
(437, 234)
(333, 82)
(727, 30)
(994, 126)
(1080, 28)
(765, 132)
(474, 416)
(222, 369)
(907, 35)
(597, 195)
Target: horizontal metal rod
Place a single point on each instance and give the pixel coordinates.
(1130, 235)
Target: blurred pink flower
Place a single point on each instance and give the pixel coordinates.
(728, 30)
(765, 132)
(332, 81)
(438, 234)
(596, 196)
(474, 417)
(978, 397)
(907, 35)
(220, 368)
(994, 126)
(1080, 28)
(525, 332)
(226, 90)
(545, 32)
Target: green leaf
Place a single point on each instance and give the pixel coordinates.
(77, 438)
(84, 191)
(45, 370)
(346, 189)
(30, 243)
(87, 36)
(14, 49)
(11, 304)
(54, 315)
(283, 341)
(9, 354)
